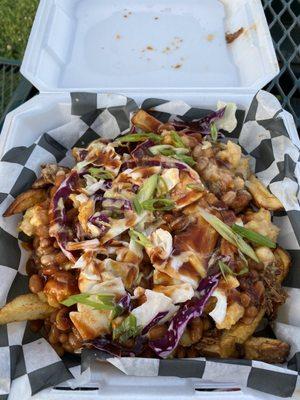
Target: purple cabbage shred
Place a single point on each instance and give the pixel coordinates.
(190, 309)
(141, 150)
(154, 321)
(201, 125)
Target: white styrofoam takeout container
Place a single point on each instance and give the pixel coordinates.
(170, 49)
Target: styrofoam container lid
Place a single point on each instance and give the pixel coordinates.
(148, 46)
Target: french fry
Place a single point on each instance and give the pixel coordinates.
(145, 121)
(283, 260)
(265, 349)
(238, 334)
(212, 348)
(261, 195)
(26, 307)
(26, 200)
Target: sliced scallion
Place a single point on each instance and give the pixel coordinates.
(176, 139)
(167, 150)
(146, 191)
(127, 329)
(254, 237)
(140, 137)
(97, 301)
(213, 131)
(140, 238)
(228, 234)
(158, 205)
(100, 173)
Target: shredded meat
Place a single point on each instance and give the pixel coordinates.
(275, 295)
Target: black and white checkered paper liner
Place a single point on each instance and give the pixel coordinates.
(28, 363)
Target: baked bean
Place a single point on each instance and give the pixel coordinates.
(63, 277)
(60, 258)
(245, 299)
(36, 283)
(53, 335)
(192, 352)
(254, 275)
(48, 259)
(196, 329)
(251, 311)
(42, 231)
(202, 163)
(156, 332)
(63, 338)
(50, 270)
(229, 197)
(259, 288)
(44, 251)
(62, 320)
(58, 291)
(180, 352)
(45, 242)
(74, 342)
(239, 183)
(36, 325)
(197, 151)
(168, 217)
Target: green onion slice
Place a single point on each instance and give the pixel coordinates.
(254, 237)
(213, 131)
(226, 270)
(158, 205)
(97, 301)
(228, 234)
(167, 150)
(140, 238)
(199, 187)
(146, 191)
(101, 173)
(127, 329)
(140, 137)
(176, 139)
(186, 159)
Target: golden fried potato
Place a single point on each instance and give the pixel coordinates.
(26, 200)
(261, 195)
(238, 334)
(210, 347)
(145, 121)
(26, 307)
(283, 260)
(266, 349)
